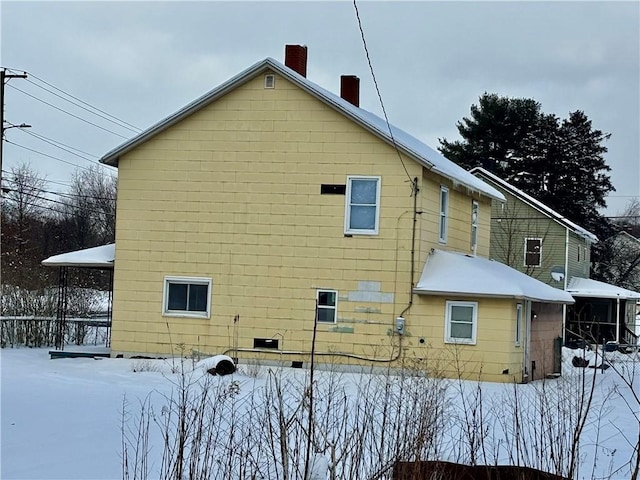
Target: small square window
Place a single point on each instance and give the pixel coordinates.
(461, 322)
(326, 306)
(187, 296)
(269, 81)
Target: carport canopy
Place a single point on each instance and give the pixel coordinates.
(95, 257)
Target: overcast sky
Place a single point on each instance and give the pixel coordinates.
(141, 61)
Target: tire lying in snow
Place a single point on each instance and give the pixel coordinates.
(218, 365)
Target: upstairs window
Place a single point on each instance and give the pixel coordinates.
(532, 252)
(474, 226)
(326, 306)
(362, 210)
(444, 207)
(187, 296)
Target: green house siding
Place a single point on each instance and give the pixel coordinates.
(511, 224)
(579, 256)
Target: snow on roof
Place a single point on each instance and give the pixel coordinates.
(101, 257)
(586, 287)
(452, 273)
(538, 205)
(411, 146)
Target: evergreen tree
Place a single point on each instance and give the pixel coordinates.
(560, 163)
(496, 135)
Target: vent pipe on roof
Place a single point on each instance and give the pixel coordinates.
(350, 89)
(295, 57)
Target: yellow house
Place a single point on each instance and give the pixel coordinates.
(271, 218)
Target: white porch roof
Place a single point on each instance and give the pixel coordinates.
(457, 274)
(97, 257)
(586, 287)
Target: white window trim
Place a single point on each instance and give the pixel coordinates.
(347, 206)
(447, 324)
(519, 316)
(475, 208)
(524, 260)
(326, 307)
(269, 81)
(443, 218)
(189, 280)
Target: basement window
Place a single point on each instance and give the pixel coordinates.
(187, 297)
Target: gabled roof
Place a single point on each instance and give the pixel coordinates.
(458, 274)
(96, 257)
(585, 287)
(406, 143)
(532, 202)
(626, 236)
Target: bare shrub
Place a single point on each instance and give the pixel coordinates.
(214, 427)
(144, 365)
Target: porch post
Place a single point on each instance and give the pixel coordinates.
(618, 319)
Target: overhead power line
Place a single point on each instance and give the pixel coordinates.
(76, 101)
(61, 146)
(55, 158)
(55, 182)
(67, 112)
(375, 82)
(105, 117)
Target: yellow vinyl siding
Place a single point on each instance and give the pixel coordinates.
(232, 193)
(493, 353)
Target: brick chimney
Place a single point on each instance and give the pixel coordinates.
(350, 89)
(295, 57)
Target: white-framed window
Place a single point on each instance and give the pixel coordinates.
(461, 319)
(518, 338)
(474, 226)
(444, 207)
(326, 306)
(532, 252)
(269, 80)
(362, 209)
(187, 297)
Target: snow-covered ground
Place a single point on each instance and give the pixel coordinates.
(62, 419)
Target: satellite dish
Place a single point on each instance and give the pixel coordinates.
(557, 273)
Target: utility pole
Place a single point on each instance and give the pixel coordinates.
(4, 77)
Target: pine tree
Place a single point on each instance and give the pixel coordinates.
(560, 163)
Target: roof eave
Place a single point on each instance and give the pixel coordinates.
(112, 157)
(490, 295)
(518, 193)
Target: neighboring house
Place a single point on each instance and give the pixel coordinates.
(533, 238)
(270, 212)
